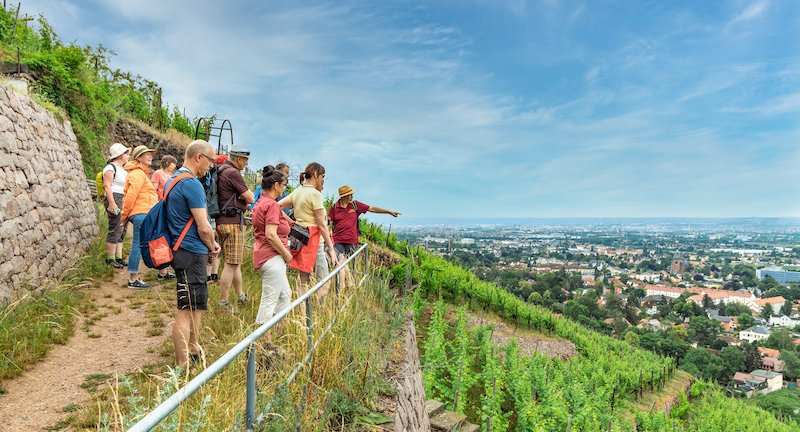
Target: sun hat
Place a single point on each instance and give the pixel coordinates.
(116, 150)
(140, 150)
(345, 191)
(239, 150)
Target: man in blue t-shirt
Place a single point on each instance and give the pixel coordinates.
(188, 199)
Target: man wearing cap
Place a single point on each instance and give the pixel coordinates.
(343, 215)
(114, 184)
(234, 197)
(140, 197)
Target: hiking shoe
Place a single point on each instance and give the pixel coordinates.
(138, 284)
(122, 262)
(169, 275)
(242, 298)
(225, 305)
(114, 263)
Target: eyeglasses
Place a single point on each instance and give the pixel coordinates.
(210, 159)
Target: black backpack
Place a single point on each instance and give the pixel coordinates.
(212, 193)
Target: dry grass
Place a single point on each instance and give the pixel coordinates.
(344, 379)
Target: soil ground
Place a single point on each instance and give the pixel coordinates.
(115, 320)
(528, 341)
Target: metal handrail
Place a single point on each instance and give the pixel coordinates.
(159, 413)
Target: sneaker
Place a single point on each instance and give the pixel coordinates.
(138, 284)
(114, 263)
(122, 262)
(225, 305)
(242, 298)
(169, 275)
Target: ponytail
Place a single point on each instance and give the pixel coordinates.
(311, 169)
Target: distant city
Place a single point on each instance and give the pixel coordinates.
(687, 288)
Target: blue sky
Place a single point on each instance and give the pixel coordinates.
(489, 108)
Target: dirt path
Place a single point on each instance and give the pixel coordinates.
(119, 331)
(528, 341)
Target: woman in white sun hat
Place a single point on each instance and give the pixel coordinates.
(114, 175)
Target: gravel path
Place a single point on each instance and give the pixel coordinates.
(114, 344)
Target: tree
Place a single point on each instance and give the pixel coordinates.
(791, 364)
(780, 339)
(703, 330)
(703, 364)
(745, 321)
(632, 338)
(767, 311)
(787, 308)
(707, 303)
(752, 356)
(734, 309)
(719, 344)
(679, 332)
(733, 360)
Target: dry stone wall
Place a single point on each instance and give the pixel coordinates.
(411, 414)
(133, 134)
(47, 220)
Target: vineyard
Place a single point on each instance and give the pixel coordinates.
(502, 390)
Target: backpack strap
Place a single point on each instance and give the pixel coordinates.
(183, 233)
(191, 218)
(224, 207)
(358, 225)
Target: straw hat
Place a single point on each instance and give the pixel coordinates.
(140, 150)
(345, 191)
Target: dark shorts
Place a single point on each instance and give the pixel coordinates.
(192, 287)
(115, 229)
(346, 249)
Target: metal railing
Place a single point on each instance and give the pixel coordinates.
(248, 344)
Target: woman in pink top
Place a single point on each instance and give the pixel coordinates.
(271, 247)
(168, 166)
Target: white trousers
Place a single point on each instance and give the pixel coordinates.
(275, 291)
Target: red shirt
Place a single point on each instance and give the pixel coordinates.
(267, 212)
(345, 221)
(229, 186)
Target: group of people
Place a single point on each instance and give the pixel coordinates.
(208, 229)
(130, 191)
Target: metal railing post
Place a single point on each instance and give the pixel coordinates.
(366, 261)
(250, 407)
(309, 355)
(336, 290)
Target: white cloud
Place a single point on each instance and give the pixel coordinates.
(751, 12)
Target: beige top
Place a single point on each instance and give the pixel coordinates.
(305, 200)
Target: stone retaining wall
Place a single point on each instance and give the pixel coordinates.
(411, 414)
(133, 134)
(47, 220)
